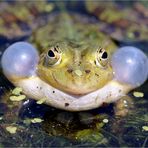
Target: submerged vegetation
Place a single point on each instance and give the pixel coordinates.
(41, 126)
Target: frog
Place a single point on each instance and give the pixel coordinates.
(74, 66)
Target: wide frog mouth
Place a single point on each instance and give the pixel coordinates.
(77, 86)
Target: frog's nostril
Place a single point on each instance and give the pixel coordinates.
(69, 70)
(87, 71)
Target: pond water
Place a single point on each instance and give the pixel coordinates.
(39, 125)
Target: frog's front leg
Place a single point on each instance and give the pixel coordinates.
(124, 106)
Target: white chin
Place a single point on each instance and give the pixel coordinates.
(37, 89)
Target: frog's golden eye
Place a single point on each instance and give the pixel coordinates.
(101, 57)
(53, 56)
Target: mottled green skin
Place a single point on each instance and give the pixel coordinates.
(78, 41)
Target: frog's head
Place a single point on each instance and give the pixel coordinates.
(75, 70)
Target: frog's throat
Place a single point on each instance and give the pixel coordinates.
(35, 88)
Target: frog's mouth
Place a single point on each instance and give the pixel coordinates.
(77, 88)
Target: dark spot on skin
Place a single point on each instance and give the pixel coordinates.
(69, 70)
(119, 90)
(87, 71)
(66, 104)
(55, 49)
(96, 74)
(95, 62)
(110, 94)
(37, 87)
(82, 55)
(100, 51)
(40, 88)
(104, 104)
(79, 64)
(53, 91)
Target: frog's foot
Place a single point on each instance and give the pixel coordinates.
(124, 106)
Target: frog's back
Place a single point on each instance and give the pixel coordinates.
(75, 30)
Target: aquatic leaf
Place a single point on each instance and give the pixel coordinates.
(99, 125)
(91, 136)
(41, 101)
(27, 121)
(17, 91)
(49, 7)
(36, 120)
(105, 121)
(138, 94)
(17, 98)
(11, 129)
(145, 128)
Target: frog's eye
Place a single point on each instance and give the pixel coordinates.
(53, 56)
(101, 57)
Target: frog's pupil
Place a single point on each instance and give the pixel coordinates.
(51, 53)
(104, 55)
